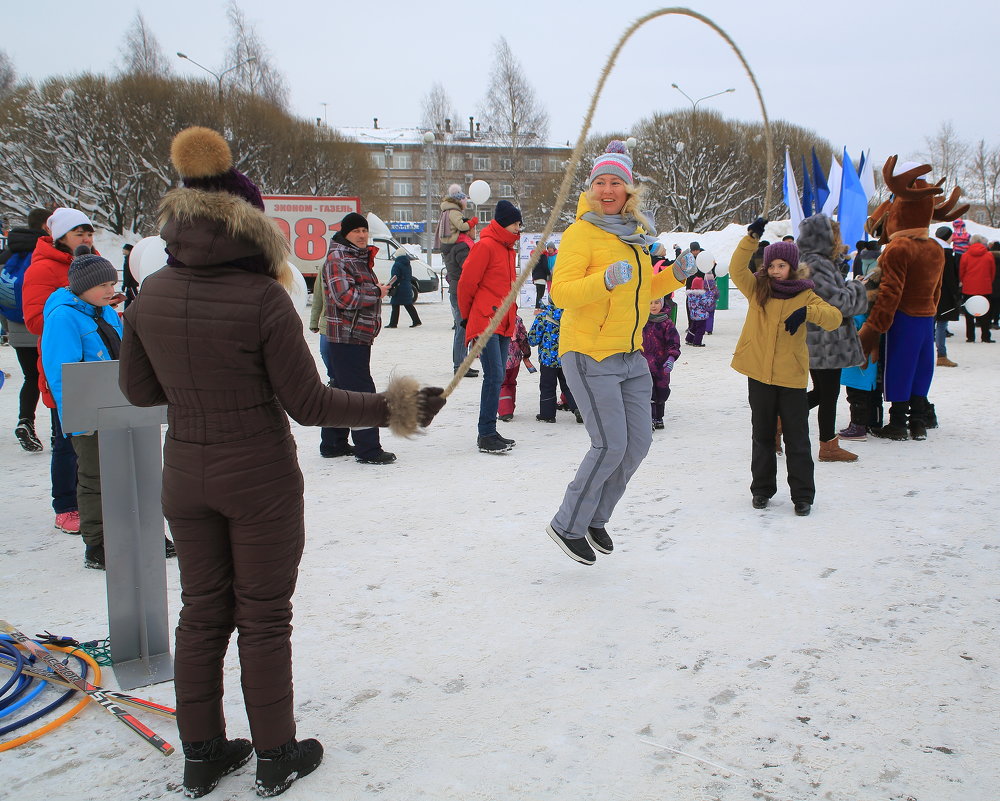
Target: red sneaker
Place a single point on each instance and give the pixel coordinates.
(68, 522)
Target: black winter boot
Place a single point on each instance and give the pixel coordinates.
(930, 417)
(918, 417)
(277, 768)
(208, 761)
(897, 428)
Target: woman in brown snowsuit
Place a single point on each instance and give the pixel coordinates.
(215, 337)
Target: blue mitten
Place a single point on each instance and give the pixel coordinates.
(685, 266)
(618, 273)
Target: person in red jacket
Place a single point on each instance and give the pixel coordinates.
(49, 271)
(976, 271)
(487, 276)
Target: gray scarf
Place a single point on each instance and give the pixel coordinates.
(624, 227)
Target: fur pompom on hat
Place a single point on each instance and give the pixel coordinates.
(615, 160)
(204, 161)
(455, 193)
(786, 251)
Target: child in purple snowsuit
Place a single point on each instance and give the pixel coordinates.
(710, 286)
(661, 345)
(700, 302)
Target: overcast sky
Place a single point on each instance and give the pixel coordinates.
(862, 73)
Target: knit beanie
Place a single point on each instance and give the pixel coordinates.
(506, 213)
(352, 222)
(204, 161)
(87, 270)
(615, 160)
(64, 220)
(943, 233)
(786, 251)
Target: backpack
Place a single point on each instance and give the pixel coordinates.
(11, 281)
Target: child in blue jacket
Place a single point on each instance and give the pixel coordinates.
(544, 335)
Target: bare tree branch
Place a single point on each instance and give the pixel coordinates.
(142, 54)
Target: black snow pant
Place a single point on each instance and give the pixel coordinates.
(767, 403)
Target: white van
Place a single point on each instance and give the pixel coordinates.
(424, 277)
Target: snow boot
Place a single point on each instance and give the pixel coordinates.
(930, 416)
(897, 429)
(855, 432)
(277, 768)
(207, 762)
(918, 424)
(830, 451)
(25, 433)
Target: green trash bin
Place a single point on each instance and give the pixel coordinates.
(722, 282)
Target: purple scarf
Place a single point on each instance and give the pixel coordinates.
(783, 290)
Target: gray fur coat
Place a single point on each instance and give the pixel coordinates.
(829, 350)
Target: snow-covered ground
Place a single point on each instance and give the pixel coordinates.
(446, 649)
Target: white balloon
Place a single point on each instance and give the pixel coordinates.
(299, 293)
(147, 257)
(705, 261)
(977, 305)
(721, 269)
(479, 192)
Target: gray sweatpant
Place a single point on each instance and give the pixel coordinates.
(613, 396)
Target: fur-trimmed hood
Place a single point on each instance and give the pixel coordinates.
(210, 228)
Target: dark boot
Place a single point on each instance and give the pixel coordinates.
(277, 768)
(208, 761)
(898, 428)
(930, 416)
(918, 417)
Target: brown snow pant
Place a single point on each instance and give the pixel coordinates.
(236, 514)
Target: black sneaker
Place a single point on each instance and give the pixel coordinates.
(578, 415)
(169, 549)
(494, 443)
(802, 508)
(541, 419)
(760, 501)
(338, 451)
(470, 373)
(205, 763)
(657, 425)
(277, 768)
(508, 441)
(578, 550)
(379, 458)
(505, 418)
(25, 433)
(93, 557)
(599, 539)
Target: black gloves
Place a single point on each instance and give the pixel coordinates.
(795, 319)
(756, 228)
(429, 403)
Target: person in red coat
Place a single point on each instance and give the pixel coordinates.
(976, 271)
(487, 276)
(49, 271)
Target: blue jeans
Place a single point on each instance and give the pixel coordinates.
(940, 335)
(62, 469)
(494, 361)
(459, 349)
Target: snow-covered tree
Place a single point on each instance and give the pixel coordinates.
(8, 77)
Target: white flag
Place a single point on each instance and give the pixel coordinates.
(792, 199)
(833, 181)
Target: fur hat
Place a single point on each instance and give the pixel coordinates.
(455, 193)
(204, 161)
(352, 222)
(64, 220)
(506, 213)
(87, 270)
(786, 251)
(615, 160)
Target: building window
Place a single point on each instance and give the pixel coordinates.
(485, 215)
(379, 160)
(426, 162)
(506, 190)
(456, 163)
(555, 165)
(527, 191)
(402, 161)
(403, 215)
(402, 188)
(480, 162)
(506, 165)
(533, 165)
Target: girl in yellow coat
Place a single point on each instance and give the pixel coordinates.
(604, 282)
(773, 355)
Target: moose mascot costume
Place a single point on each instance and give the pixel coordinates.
(912, 265)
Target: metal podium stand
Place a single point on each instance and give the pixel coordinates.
(131, 476)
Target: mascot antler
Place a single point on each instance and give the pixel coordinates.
(943, 212)
(902, 185)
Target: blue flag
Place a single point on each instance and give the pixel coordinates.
(807, 192)
(853, 205)
(819, 181)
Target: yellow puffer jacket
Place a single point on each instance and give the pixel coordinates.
(766, 352)
(595, 321)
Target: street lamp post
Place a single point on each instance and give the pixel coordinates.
(217, 75)
(428, 236)
(694, 103)
(388, 178)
